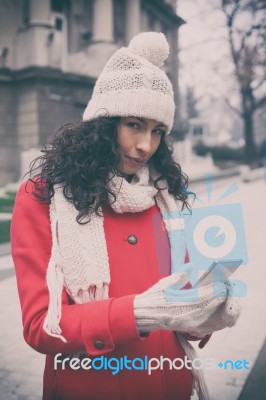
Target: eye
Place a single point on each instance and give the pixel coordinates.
(133, 125)
(158, 131)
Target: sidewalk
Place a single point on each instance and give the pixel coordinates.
(246, 339)
(5, 249)
(20, 366)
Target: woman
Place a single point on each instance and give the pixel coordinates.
(99, 250)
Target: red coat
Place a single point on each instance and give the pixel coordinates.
(133, 269)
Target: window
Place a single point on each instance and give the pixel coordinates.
(58, 24)
(57, 6)
(197, 130)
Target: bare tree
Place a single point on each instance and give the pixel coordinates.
(246, 23)
(191, 103)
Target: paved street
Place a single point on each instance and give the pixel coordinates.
(21, 367)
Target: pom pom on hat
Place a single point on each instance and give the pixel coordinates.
(152, 46)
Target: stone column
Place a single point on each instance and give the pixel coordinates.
(31, 44)
(40, 12)
(133, 19)
(103, 21)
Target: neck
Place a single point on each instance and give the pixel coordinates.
(128, 178)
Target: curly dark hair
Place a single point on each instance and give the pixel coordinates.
(82, 158)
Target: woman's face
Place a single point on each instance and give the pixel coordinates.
(138, 138)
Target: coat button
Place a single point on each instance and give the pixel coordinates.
(132, 239)
(99, 344)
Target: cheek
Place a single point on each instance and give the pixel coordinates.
(123, 146)
(124, 142)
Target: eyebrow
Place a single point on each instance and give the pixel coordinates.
(145, 122)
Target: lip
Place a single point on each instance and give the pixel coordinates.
(135, 160)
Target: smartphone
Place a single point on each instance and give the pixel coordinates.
(218, 271)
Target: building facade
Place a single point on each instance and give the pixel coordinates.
(51, 53)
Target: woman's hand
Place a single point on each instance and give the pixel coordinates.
(197, 311)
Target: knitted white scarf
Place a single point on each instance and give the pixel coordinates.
(79, 258)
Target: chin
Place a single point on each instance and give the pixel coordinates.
(128, 169)
(132, 170)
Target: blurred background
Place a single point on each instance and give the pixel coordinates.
(51, 52)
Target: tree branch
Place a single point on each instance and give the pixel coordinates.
(233, 108)
(256, 87)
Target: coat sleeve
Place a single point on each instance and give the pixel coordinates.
(96, 327)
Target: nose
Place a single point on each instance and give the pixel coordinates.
(144, 143)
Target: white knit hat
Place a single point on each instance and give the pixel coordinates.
(132, 84)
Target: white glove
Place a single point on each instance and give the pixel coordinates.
(198, 311)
